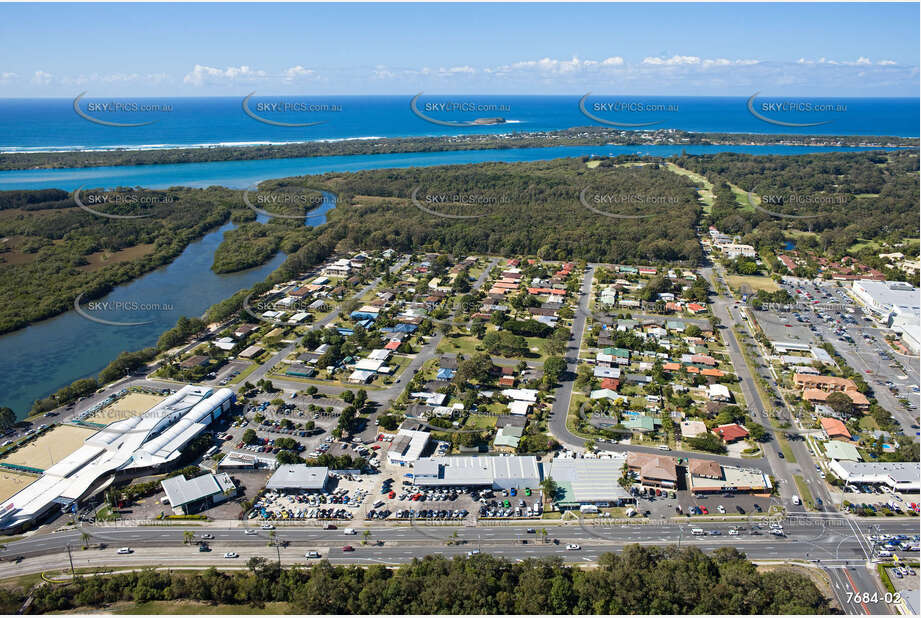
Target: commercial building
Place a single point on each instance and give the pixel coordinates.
(299, 477)
(707, 476)
(732, 250)
(497, 472)
(889, 301)
(148, 443)
(198, 494)
(898, 476)
(407, 447)
(588, 481)
(653, 470)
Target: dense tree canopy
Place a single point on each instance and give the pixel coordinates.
(640, 580)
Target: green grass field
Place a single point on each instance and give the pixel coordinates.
(480, 421)
(755, 283)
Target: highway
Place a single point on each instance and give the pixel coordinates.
(835, 543)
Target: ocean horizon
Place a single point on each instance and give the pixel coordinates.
(53, 125)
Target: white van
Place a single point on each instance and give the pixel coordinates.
(664, 447)
(349, 531)
(796, 499)
(697, 531)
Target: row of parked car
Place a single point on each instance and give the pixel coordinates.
(432, 514)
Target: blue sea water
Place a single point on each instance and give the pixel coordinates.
(53, 124)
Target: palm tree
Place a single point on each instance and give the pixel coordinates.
(366, 534)
(84, 539)
(187, 537)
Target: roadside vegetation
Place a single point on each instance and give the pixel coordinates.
(641, 580)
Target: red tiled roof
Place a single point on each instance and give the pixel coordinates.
(833, 427)
(731, 432)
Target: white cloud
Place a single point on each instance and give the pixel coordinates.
(202, 74)
(42, 78)
(673, 61)
(863, 60)
(298, 72)
(887, 63)
(613, 61)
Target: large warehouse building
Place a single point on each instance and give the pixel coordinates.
(583, 482)
(149, 442)
(502, 472)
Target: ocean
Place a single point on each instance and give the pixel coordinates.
(31, 125)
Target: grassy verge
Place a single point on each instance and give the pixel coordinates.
(805, 493)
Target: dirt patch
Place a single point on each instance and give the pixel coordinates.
(128, 406)
(51, 447)
(101, 259)
(12, 483)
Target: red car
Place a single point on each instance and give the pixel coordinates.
(705, 511)
(391, 495)
(348, 548)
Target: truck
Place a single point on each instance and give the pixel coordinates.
(796, 499)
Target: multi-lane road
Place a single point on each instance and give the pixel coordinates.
(834, 543)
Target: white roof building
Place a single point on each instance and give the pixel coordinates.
(719, 392)
(149, 441)
(519, 408)
(898, 476)
(298, 476)
(501, 472)
(521, 394)
(407, 447)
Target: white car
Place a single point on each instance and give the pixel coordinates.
(473, 552)
(573, 547)
(231, 554)
(312, 554)
(733, 532)
(249, 532)
(268, 527)
(124, 550)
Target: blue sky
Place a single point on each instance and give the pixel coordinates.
(666, 49)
